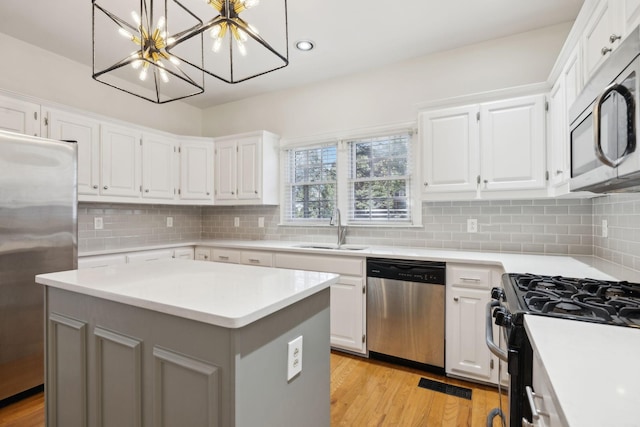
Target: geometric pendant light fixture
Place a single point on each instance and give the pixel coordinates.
(241, 39)
(130, 40)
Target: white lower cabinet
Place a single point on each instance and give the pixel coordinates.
(202, 253)
(348, 296)
(468, 292)
(184, 253)
(225, 255)
(542, 399)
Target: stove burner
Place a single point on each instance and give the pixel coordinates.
(587, 299)
(567, 307)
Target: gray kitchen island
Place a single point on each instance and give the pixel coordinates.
(187, 343)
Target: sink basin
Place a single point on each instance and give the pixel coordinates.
(330, 246)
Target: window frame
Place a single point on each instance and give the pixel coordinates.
(414, 202)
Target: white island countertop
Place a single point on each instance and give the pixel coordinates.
(592, 369)
(227, 295)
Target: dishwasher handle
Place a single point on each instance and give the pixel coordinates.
(495, 349)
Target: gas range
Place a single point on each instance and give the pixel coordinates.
(601, 301)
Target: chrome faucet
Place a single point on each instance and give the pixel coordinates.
(342, 229)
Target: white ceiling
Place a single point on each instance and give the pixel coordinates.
(351, 36)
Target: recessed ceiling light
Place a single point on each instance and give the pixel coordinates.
(305, 45)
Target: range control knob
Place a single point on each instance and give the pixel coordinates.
(497, 294)
(503, 317)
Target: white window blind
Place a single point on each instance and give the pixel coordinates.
(310, 183)
(380, 179)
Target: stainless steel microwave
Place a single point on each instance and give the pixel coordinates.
(604, 121)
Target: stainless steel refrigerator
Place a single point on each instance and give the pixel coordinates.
(38, 234)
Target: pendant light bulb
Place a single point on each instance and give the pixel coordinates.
(125, 33)
(161, 23)
(175, 61)
(143, 73)
(251, 3)
(217, 43)
(135, 18)
(164, 76)
(215, 31)
(242, 48)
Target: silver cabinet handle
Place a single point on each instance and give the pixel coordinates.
(426, 184)
(469, 279)
(256, 191)
(558, 172)
(223, 257)
(232, 193)
(208, 193)
(605, 50)
(146, 191)
(456, 299)
(95, 187)
(532, 404)
(614, 37)
(253, 260)
(105, 187)
(206, 257)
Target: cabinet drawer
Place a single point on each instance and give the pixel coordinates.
(203, 254)
(472, 276)
(183, 253)
(150, 255)
(264, 259)
(225, 255)
(337, 265)
(101, 261)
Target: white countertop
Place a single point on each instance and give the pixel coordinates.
(570, 266)
(227, 295)
(593, 369)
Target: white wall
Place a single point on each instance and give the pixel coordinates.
(393, 94)
(30, 70)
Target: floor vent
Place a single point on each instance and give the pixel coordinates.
(449, 389)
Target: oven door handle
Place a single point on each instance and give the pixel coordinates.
(502, 354)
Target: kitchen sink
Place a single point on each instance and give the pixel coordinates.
(330, 246)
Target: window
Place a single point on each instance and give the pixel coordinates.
(379, 179)
(368, 178)
(311, 183)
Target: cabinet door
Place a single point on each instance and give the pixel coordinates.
(601, 36)
(158, 167)
(249, 168)
(196, 171)
(203, 254)
(347, 311)
(120, 162)
(226, 170)
(631, 15)
(86, 133)
(19, 116)
(450, 149)
(467, 352)
(512, 141)
(558, 132)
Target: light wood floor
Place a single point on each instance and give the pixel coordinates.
(363, 393)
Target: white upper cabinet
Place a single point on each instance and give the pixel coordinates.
(19, 116)
(86, 132)
(631, 13)
(120, 161)
(512, 136)
(159, 168)
(481, 148)
(226, 170)
(196, 171)
(602, 35)
(246, 169)
(450, 149)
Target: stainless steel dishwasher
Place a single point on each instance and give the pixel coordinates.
(405, 311)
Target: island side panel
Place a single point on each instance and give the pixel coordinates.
(263, 395)
(114, 364)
